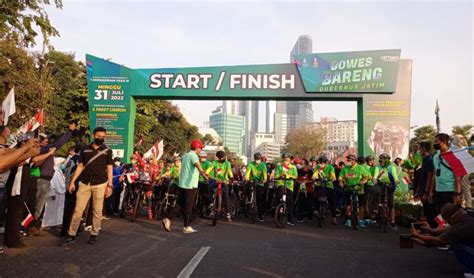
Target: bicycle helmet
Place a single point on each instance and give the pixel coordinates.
(323, 159)
(285, 155)
(313, 159)
(369, 158)
(203, 154)
(220, 154)
(257, 156)
(297, 161)
(385, 156)
(351, 157)
(169, 160)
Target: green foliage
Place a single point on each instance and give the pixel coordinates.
(425, 133)
(18, 69)
(19, 17)
(464, 131)
(69, 94)
(207, 139)
(160, 120)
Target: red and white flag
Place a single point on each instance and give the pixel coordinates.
(33, 123)
(29, 218)
(156, 151)
(460, 161)
(8, 106)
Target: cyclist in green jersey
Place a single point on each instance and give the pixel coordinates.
(369, 186)
(221, 171)
(354, 176)
(203, 185)
(257, 172)
(387, 177)
(325, 172)
(285, 176)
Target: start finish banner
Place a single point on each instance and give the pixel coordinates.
(346, 76)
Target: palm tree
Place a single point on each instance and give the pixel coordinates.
(425, 133)
(464, 131)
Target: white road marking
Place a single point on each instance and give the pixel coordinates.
(193, 263)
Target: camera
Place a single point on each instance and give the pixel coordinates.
(406, 241)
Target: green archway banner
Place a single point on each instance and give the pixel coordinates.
(327, 76)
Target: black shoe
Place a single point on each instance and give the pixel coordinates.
(67, 240)
(93, 240)
(260, 218)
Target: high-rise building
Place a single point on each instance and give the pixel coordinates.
(270, 150)
(249, 110)
(290, 115)
(231, 128)
(261, 137)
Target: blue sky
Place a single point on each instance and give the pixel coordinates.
(154, 34)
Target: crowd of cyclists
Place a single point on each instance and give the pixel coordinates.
(356, 190)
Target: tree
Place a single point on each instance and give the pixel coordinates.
(19, 17)
(464, 131)
(208, 139)
(425, 133)
(160, 120)
(69, 98)
(306, 142)
(18, 68)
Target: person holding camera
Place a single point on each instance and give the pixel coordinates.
(459, 234)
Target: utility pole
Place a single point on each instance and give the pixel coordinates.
(438, 123)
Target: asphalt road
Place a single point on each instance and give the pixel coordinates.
(237, 249)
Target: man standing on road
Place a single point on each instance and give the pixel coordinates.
(94, 173)
(445, 187)
(188, 184)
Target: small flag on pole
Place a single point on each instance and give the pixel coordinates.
(156, 151)
(33, 123)
(8, 106)
(29, 218)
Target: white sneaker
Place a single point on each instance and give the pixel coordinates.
(166, 224)
(88, 228)
(189, 230)
(468, 275)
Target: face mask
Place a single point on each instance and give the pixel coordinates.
(437, 146)
(203, 159)
(299, 166)
(258, 161)
(134, 162)
(117, 163)
(99, 141)
(221, 160)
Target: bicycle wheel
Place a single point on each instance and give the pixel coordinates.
(217, 210)
(163, 207)
(234, 207)
(354, 216)
(321, 214)
(280, 215)
(126, 204)
(384, 219)
(136, 206)
(253, 210)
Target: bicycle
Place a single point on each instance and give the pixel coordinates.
(251, 202)
(322, 202)
(382, 214)
(299, 201)
(216, 204)
(234, 196)
(169, 199)
(128, 199)
(353, 208)
(281, 209)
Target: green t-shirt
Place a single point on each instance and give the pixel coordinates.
(327, 173)
(204, 165)
(445, 182)
(351, 176)
(189, 176)
(171, 173)
(290, 172)
(383, 175)
(220, 171)
(374, 172)
(257, 173)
